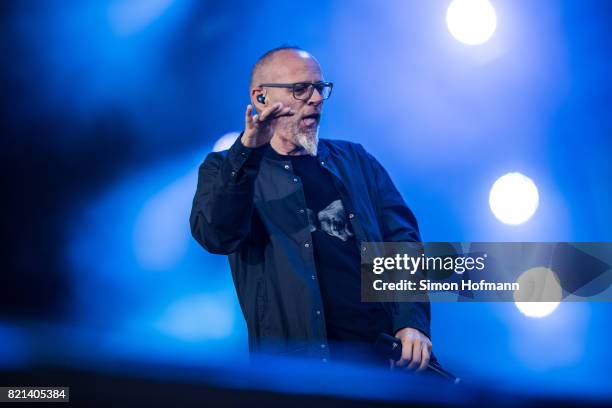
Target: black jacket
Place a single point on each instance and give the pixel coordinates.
(252, 208)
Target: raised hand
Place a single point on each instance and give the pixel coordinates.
(258, 129)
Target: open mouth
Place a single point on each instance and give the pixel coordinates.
(311, 119)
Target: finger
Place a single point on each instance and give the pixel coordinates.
(416, 355)
(424, 359)
(283, 112)
(286, 111)
(266, 113)
(406, 352)
(248, 117)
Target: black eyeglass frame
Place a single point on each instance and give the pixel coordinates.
(319, 86)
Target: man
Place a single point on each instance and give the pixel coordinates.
(291, 211)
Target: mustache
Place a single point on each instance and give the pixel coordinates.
(315, 115)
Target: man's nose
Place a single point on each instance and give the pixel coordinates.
(316, 97)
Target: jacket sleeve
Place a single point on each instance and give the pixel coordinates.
(222, 207)
(399, 224)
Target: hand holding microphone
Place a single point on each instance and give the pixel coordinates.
(393, 349)
(415, 349)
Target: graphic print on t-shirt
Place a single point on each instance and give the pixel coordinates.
(331, 220)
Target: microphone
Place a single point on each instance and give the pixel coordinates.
(390, 347)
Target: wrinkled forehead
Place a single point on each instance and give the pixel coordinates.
(293, 66)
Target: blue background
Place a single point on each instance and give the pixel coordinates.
(109, 107)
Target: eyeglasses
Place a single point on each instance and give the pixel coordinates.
(303, 90)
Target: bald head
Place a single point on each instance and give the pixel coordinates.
(281, 65)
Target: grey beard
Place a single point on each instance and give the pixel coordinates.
(308, 141)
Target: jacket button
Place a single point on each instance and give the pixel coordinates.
(301, 211)
(243, 154)
(295, 179)
(318, 312)
(287, 167)
(233, 174)
(322, 163)
(313, 277)
(351, 215)
(363, 248)
(307, 245)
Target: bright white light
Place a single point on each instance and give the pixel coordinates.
(514, 198)
(225, 142)
(472, 22)
(540, 292)
(536, 309)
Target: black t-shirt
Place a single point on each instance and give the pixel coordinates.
(349, 322)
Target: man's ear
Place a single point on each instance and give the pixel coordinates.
(258, 96)
(262, 99)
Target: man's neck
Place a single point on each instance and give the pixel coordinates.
(286, 147)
